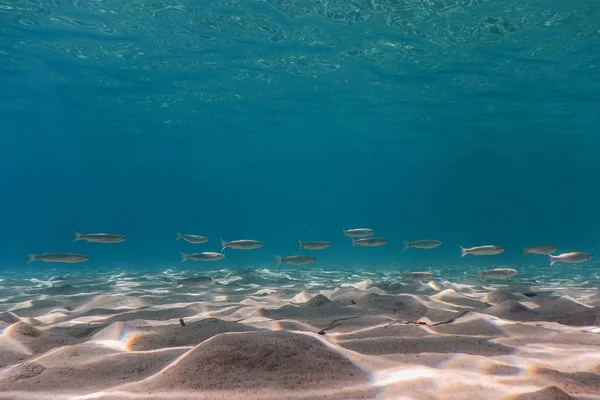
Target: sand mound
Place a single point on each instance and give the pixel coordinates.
(439, 314)
(318, 301)
(451, 296)
(583, 318)
(158, 313)
(513, 310)
(189, 335)
(12, 353)
(66, 356)
(347, 294)
(391, 287)
(391, 329)
(24, 329)
(279, 360)
(31, 308)
(376, 290)
(564, 310)
(283, 294)
(549, 393)
(22, 371)
(362, 285)
(497, 296)
(111, 302)
(37, 341)
(578, 382)
(117, 330)
(78, 372)
(428, 344)
(473, 325)
(302, 297)
(404, 306)
(303, 312)
(355, 323)
(9, 317)
(79, 330)
(553, 335)
(561, 307)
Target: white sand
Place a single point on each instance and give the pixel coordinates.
(247, 337)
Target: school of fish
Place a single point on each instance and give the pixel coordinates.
(362, 237)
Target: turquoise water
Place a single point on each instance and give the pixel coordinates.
(471, 122)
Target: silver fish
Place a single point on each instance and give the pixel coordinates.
(422, 244)
(359, 232)
(541, 249)
(204, 256)
(417, 276)
(70, 258)
(294, 260)
(241, 244)
(369, 242)
(194, 239)
(498, 273)
(312, 245)
(575, 257)
(99, 237)
(195, 281)
(487, 250)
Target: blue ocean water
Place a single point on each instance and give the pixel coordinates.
(471, 122)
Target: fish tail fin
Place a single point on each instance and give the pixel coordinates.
(31, 258)
(223, 245)
(184, 257)
(174, 283)
(525, 251)
(478, 272)
(463, 251)
(353, 242)
(344, 230)
(299, 244)
(77, 236)
(553, 259)
(406, 244)
(278, 261)
(179, 236)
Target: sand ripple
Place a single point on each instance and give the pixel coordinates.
(296, 334)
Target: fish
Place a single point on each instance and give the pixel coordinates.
(241, 244)
(294, 260)
(498, 273)
(359, 232)
(99, 237)
(422, 244)
(194, 239)
(369, 242)
(195, 281)
(417, 276)
(70, 258)
(312, 245)
(488, 250)
(204, 256)
(575, 257)
(541, 249)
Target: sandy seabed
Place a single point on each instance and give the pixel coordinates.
(295, 335)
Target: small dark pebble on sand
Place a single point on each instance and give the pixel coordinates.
(181, 322)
